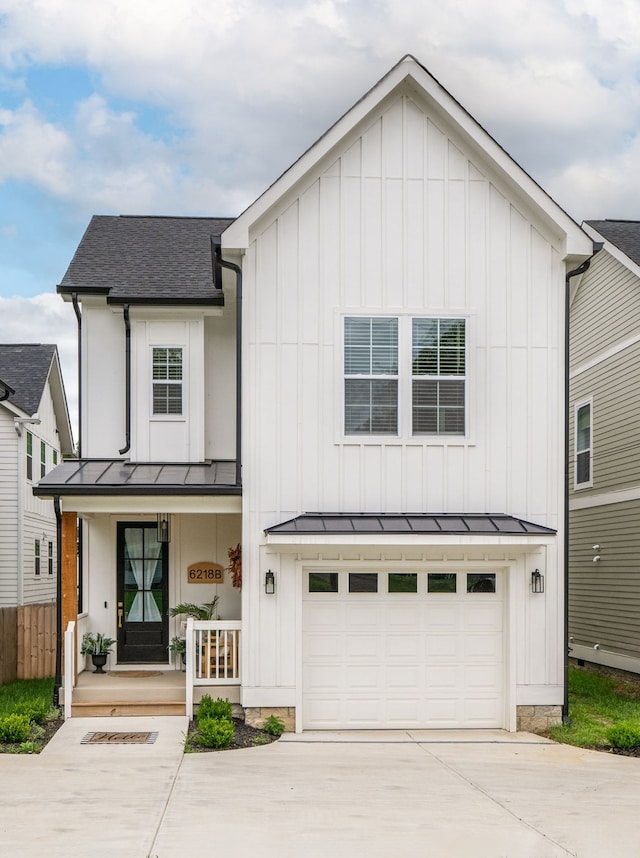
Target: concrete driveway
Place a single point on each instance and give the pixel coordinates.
(370, 794)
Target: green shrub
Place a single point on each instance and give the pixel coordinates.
(15, 728)
(625, 735)
(215, 732)
(35, 710)
(274, 726)
(217, 709)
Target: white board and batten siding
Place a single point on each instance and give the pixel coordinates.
(402, 219)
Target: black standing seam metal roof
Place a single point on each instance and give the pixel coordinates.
(624, 234)
(146, 260)
(118, 477)
(25, 367)
(490, 524)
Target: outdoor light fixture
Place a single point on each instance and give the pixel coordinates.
(164, 527)
(269, 583)
(537, 581)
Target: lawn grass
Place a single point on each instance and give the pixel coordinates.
(25, 691)
(596, 703)
(33, 696)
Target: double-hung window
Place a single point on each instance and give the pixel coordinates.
(167, 380)
(43, 458)
(29, 456)
(36, 548)
(583, 464)
(403, 372)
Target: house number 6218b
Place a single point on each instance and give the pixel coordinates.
(205, 573)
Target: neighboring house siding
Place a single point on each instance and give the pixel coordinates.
(604, 596)
(8, 509)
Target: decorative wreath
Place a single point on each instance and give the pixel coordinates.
(235, 565)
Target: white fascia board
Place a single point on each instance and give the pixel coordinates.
(612, 250)
(577, 245)
(59, 397)
(120, 505)
(13, 409)
(292, 542)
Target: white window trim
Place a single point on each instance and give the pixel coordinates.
(173, 418)
(576, 408)
(405, 436)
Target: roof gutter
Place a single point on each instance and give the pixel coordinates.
(127, 383)
(597, 247)
(218, 263)
(8, 391)
(76, 310)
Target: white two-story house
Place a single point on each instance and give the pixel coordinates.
(381, 427)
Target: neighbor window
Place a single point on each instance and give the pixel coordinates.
(29, 456)
(43, 458)
(37, 557)
(402, 372)
(583, 446)
(167, 380)
(54, 455)
(50, 559)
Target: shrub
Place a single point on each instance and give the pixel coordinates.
(15, 728)
(625, 735)
(217, 709)
(215, 732)
(274, 726)
(35, 710)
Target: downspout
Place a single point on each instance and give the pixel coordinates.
(127, 354)
(567, 405)
(76, 309)
(219, 262)
(59, 639)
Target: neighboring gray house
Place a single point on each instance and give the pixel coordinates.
(604, 567)
(35, 434)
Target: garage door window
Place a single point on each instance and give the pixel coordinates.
(323, 582)
(363, 582)
(481, 583)
(441, 582)
(403, 582)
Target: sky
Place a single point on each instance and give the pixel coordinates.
(195, 107)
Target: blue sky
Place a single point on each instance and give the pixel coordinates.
(158, 107)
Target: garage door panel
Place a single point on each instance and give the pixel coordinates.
(400, 660)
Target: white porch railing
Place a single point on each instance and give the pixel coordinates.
(69, 667)
(213, 655)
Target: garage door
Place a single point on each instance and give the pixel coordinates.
(402, 649)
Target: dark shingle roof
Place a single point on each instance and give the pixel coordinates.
(624, 234)
(25, 368)
(119, 477)
(493, 524)
(146, 260)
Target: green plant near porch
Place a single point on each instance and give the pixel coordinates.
(95, 644)
(206, 611)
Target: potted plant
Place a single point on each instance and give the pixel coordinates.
(178, 647)
(207, 611)
(98, 646)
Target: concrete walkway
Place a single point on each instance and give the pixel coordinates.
(361, 795)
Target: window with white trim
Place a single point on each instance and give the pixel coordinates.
(36, 567)
(583, 464)
(29, 456)
(43, 458)
(50, 559)
(167, 380)
(404, 371)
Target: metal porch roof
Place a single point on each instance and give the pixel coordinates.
(493, 524)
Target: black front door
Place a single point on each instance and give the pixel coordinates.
(142, 594)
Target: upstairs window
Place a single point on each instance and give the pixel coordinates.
(43, 458)
(54, 455)
(583, 445)
(29, 456)
(167, 381)
(371, 376)
(438, 366)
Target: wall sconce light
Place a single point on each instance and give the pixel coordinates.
(269, 583)
(537, 581)
(164, 527)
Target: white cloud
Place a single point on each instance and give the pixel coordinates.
(45, 319)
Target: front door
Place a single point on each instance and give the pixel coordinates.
(142, 594)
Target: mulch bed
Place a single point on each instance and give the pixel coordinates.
(245, 737)
(50, 729)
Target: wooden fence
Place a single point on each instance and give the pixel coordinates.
(27, 642)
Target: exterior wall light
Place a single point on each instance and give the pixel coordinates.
(537, 581)
(164, 527)
(269, 583)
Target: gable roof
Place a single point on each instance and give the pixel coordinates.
(27, 368)
(623, 234)
(409, 71)
(146, 260)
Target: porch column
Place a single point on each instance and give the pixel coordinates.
(69, 555)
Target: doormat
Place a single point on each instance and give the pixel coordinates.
(119, 739)
(135, 674)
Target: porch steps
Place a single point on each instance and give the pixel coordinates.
(123, 694)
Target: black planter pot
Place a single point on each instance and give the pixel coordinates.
(99, 660)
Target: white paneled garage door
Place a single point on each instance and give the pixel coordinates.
(403, 649)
